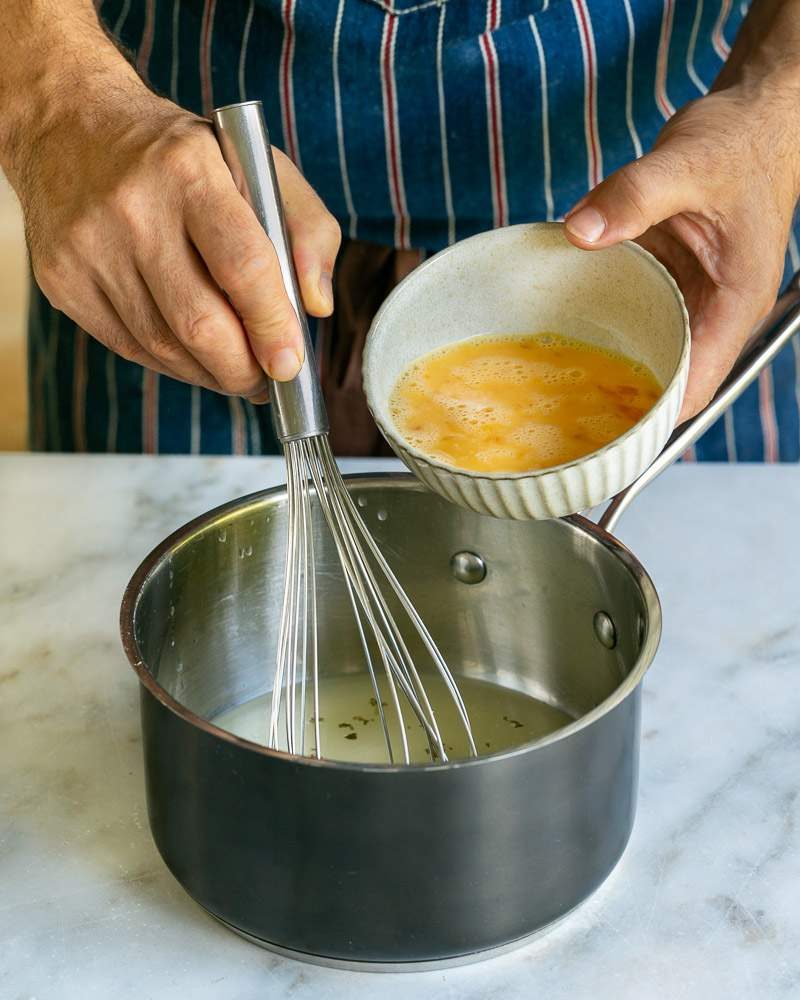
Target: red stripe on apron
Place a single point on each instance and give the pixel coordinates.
(769, 423)
(238, 426)
(496, 158)
(589, 92)
(38, 410)
(149, 412)
(206, 31)
(665, 106)
(79, 379)
(287, 84)
(721, 46)
(146, 47)
(391, 127)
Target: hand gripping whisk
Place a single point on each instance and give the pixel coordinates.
(301, 424)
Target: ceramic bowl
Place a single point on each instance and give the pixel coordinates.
(529, 278)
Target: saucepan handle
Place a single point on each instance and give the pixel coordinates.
(776, 330)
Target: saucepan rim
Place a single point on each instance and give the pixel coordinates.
(150, 564)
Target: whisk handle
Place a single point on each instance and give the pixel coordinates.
(298, 408)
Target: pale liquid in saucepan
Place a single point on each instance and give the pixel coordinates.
(517, 403)
(350, 727)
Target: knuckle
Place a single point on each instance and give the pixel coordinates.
(128, 201)
(232, 367)
(273, 328)
(182, 160)
(52, 280)
(766, 304)
(200, 329)
(75, 236)
(163, 346)
(317, 231)
(328, 240)
(252, 268)
(632, 188)
(704, 398)
(121, 342)
(331, 230)
(236, 377)
(130, 350)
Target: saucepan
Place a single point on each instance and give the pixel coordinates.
(380, 866)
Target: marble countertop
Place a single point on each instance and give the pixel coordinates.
(704, 904)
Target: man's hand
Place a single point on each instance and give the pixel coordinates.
(137, 232)
(714, 200)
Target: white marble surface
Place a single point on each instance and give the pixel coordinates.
(705, 903)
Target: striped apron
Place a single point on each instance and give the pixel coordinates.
(419, 122)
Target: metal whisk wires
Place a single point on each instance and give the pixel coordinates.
(371, 586)
(385, 618)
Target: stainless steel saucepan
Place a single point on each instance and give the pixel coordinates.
(378, 865)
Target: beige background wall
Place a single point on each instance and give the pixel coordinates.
(13, 299)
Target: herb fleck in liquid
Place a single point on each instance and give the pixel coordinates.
(350, 726)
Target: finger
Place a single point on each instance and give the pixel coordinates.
(131, 298)
(243, 262)
(98, 317)
(720, 330)
(634, 198)
(678, 259)
(714, 339)
(315, 237)
(86, 304)
(202, 319)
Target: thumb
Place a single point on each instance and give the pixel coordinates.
(315, 237)
(630, 201)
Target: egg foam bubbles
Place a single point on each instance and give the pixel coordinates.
(519, 402)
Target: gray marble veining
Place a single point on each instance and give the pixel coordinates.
(704, 904)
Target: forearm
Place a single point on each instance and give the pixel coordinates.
(766, 53)
(52, 52)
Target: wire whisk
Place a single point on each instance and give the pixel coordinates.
(387, 622)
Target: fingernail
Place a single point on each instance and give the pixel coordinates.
(587, 224)
(260, 399)
(326, 288)
(284, 365)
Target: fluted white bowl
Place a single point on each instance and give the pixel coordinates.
(529, 278)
